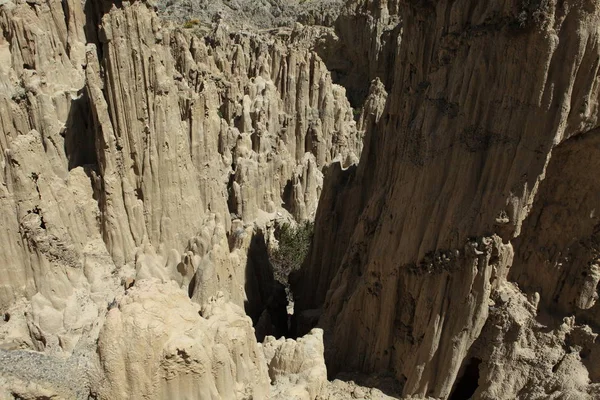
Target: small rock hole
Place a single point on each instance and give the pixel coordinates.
(192, 286)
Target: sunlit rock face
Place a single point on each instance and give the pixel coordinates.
(138, 151)
(130, 156)
(147, 164)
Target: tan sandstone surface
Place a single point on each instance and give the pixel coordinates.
(144, 165)
(147, 165)
(465, 258)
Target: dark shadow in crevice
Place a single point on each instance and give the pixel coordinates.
(192, 286)
(93, 17)
(346, 61)
(80, 142)
(232, 201)
(468, 380)
(266, 301)
(287, 197)
(94, 12)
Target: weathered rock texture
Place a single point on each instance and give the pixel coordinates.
(485, 101)
(297, 368)
(52, 250)
(136, 153)
(357, 56)
(252, 13)
(186, 111)
(204, 353)
(145, 165)
(135, 149)
(524, 353)
(562, 263)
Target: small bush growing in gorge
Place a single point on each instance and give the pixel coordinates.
(532, 12)
(19, 94)
(191, 23)
(294, 243)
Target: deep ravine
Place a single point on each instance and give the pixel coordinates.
(152, 155)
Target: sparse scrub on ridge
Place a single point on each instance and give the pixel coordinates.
(190, 23)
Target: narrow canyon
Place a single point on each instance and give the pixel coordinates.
(312, 199)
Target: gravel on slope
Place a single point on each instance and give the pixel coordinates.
(252, 13)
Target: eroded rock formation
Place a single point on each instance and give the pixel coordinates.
(482, 151)
(180, 128)
(146, 164)
(206, 352)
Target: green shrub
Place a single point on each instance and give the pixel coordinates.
(294, 243)
(19, 94)
(532, 12)
(191, 23)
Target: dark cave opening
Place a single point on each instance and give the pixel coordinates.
(467, 382)
(192, 286)
(79, 134)
(266, 302)
(287, 196)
